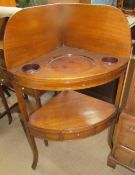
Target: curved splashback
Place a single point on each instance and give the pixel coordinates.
(35, 31)
(102, 29)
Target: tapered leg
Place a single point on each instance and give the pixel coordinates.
(35, 153)
(5, 105)
(33, 146)
(118, 105)
(38, 105)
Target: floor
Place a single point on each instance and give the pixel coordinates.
(83, 157)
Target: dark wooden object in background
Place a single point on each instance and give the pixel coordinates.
(67, 62)
(123, 151)
(105, 92)
(4, 101)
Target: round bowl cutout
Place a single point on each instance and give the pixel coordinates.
(109, 60)
(30, 68)
(71, 64)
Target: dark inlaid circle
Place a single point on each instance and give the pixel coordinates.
(110, 60)
(30, 68)
(71, 64)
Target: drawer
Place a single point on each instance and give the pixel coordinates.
(128, 140)
(125, 156)
(127, 132)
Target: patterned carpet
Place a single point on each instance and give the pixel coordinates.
(82, 157)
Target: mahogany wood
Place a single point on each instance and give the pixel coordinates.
(5, 75)
(64, 27)
(32, 37)
(71, 115)
(94, 38)
(68, 47)
(68, 75)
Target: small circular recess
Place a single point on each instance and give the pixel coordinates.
(30, 68)
(109, 60)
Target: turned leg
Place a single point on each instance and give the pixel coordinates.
(38, 105)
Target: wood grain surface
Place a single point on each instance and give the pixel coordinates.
(72, 115)
(99, 29)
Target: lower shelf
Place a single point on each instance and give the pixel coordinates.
(71, 115)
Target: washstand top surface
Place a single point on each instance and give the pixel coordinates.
(67, 46)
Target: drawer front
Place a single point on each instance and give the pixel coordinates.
(125, 157)
(127, 133)
(128, 140)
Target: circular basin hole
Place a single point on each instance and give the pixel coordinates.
(71, 64)
(110, 60)
(30, 68)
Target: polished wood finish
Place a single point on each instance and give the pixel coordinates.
(63, 28)
(93, 37)
(68, 116)
(68, 48)
(71, 115)
(6, 77)
(68, 75)
(32, 37)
